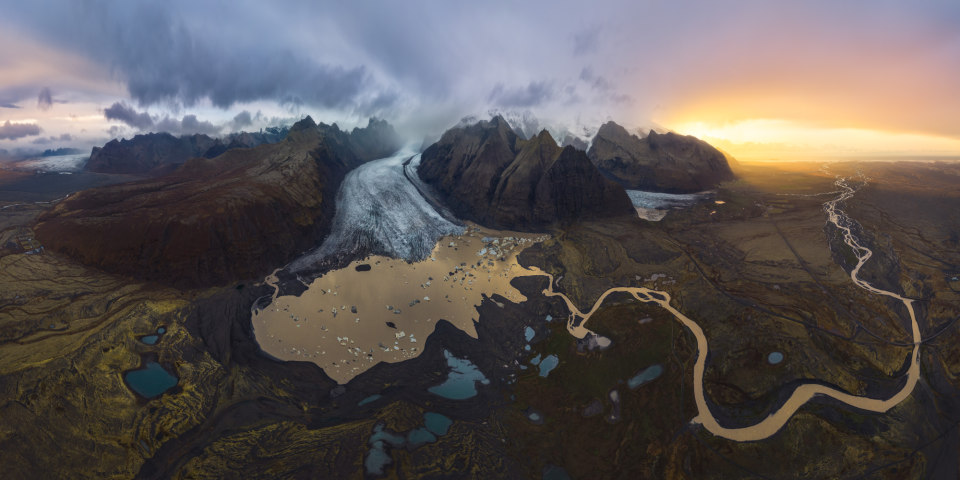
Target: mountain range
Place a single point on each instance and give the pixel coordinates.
(669, 163)
(214, 221)
(487, 173)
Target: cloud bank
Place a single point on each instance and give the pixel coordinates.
(13, 131)
(882, 65)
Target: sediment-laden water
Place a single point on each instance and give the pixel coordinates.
(351, 318)
(802, 394)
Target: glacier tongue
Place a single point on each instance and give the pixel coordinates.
(383, 210)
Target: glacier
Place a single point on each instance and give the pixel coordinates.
(383, 209)
(666, 201)
(60, 163)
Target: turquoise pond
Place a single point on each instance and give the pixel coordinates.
(150, 339)
(529, 333)
(378, 457)
(371, 398)
(436, 425)
(161, 330)
(548, 364)
(775, 358)
(421, 435)
(645, 375)
(535, 360)
(462, 381)
(150, 381)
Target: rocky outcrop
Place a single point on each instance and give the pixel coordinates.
(486, 173)
(668, 162)
(212, 221)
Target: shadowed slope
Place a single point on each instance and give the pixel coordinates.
(488, 174)
(664, 163)
(212, 221)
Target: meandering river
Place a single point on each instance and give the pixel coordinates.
(381, 210)
(803, 393)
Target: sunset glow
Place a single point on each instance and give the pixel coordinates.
(762, 138)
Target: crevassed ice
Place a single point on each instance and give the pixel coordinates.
(383, 210)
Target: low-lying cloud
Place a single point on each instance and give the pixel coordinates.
(66, 137)
(14, 131)
(187, 125)
(532, 95)
(122, 112)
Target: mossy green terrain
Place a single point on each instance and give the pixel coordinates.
(756, 281)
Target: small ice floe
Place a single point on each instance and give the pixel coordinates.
(400, 335)
(426, 299)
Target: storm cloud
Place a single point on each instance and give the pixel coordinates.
(531, 95)
(13, 131)
(66, 137)
(423, 65)
(187, 125)
(122, 112)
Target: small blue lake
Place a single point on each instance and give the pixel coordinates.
(377, 457)
(421, 435)
(548, 364)
(436, 423)
(775, 358)
(150, 381)
(150, 339)
(462, 381)
(645, 375)
(535, 360)
(371, 398)
(529, 334)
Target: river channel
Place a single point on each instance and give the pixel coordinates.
(804, 393)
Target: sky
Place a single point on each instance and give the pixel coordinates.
(756, 78)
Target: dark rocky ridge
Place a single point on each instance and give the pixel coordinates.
(143, 153)
(61, 151)
(212, 221)
(577, 142)
(486, 173)
(159, 154)
(245, 140)
(668, 162)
